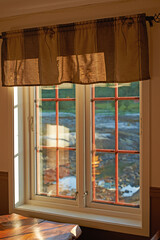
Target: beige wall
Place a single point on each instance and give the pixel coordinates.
(154, 105)
(4, 130)
(84, 13)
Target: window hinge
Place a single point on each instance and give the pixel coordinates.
(31, 123)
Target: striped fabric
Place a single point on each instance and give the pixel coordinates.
(106, 50)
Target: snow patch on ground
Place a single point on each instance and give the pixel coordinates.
(128, 191)
(68, 183)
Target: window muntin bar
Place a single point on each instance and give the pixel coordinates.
(116, 144)
(114, 98)
(57, 150)
(93, 148)
(55, 99)
(134, 150)
(49, 148)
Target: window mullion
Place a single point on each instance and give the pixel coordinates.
(30, 140)
(116, 144)
(57, 150)
(80, 143)
(88, 144)
(93, 147)
(37, 143)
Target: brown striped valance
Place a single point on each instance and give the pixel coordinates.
(106, 50)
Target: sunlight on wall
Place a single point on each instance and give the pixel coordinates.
(16, 147)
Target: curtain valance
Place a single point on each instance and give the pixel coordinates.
(106, 50)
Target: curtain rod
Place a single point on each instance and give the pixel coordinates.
(150, 19)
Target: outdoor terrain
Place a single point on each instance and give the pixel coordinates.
(128, 139)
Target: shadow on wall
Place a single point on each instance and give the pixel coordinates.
(4, 202)
(95, 234)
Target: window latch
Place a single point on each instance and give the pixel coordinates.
(85, 194)
(76, 194)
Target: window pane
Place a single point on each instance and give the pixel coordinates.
(128, 125)
(104, 90)
(103, 177)
(67, 124)
(67, 173)
(128, 89)
(105, 124)
(115, 127)
(47, 92)
(129, 178)
(56, 134)
(46, 116)
(66, 90)
(46, 171)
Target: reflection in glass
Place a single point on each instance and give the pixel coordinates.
(128, 89)
(103, 167)
(47, 170)
(67, 173)
(128, 125)
(47, 118)
(47, 92)
(105, 124)
(67, 124)
(66, 90)
(127, 137)
(56, 133)
(129, 178)
(104, 90)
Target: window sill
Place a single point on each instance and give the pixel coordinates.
(124, 225)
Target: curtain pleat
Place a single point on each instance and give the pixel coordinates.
(105, 50)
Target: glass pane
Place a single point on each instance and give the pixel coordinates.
(105, 124)
(47, 158)
(67, 124)
(104, 168)
(46, 120)
(47, 92)
(66, 90)
(46, 171)
(128, 125)
(67, 173)
(128, 89)
(104, 90)
(129, 178)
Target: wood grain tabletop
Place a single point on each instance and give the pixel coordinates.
(17, 227)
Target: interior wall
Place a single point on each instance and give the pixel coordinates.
(5, 129)
(154, 105)
(79, 14)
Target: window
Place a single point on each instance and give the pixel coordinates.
(86, 154)
(115, 144)
(112, 174)
(56, 141)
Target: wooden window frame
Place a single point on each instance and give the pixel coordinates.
(113, 218)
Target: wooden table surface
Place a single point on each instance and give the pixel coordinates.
(17, 227)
